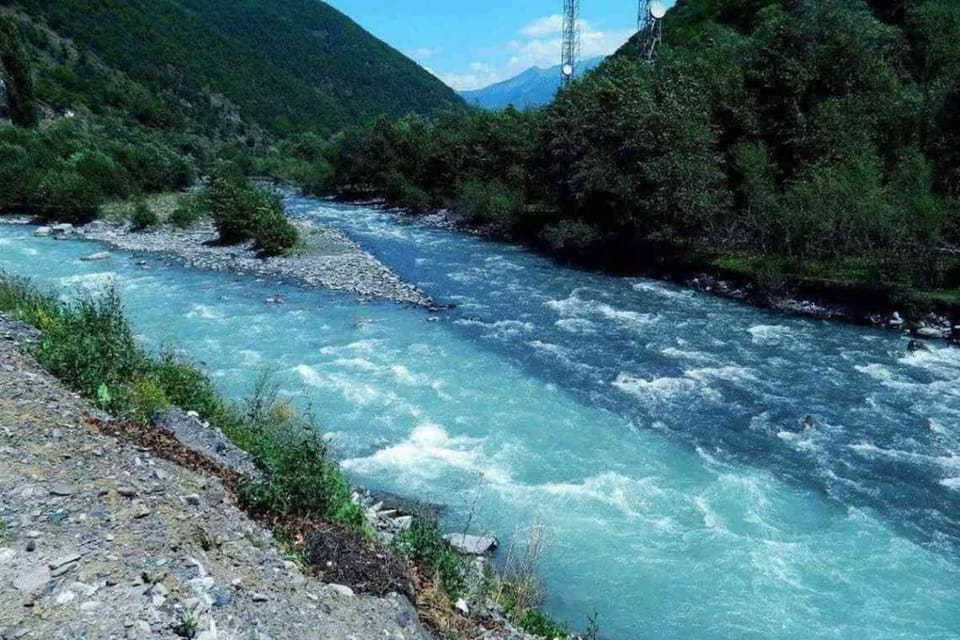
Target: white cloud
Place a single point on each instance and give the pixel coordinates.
(423, 53)
(542, 27)
(539, 45)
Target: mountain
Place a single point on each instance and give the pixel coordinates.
(286, 64)
(533, 88)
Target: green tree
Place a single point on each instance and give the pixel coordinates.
(18, 75)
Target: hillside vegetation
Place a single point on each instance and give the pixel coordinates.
(815, 139)
(287, 64)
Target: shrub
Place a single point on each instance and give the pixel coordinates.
(540, 624)
(141, 400)
(242, 212)
(65, 195)
(568, 235)
(302, 478)
(143, 217)
(89, 345)
(275, 235)
(188, 212)
(423, 543)
(488, 202)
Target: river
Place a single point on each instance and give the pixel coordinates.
(658, 435)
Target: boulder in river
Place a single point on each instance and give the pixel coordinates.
(472, 545)
(62, 228)
(915, 346)
(43, 232)
(931, 332)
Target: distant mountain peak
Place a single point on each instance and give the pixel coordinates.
(532, 88)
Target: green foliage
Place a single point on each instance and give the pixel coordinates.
(143, 217)
(302, 479)
(66, 171)
(424, 545)
(488, 203)
(188, 212)
(18, 74)
(290, 65)
(89, 345)
(540, 624)
(569, 235)
(242, 212)
(819, 133)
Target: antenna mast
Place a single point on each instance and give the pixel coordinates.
(649, 28)
(571, 40)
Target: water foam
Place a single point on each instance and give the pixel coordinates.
(430, 451)
(767, 334)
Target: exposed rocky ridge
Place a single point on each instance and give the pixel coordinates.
(101, 539)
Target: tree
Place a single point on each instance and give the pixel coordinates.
(18, 75)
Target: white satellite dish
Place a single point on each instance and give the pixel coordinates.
(567, 70)
(658, 10)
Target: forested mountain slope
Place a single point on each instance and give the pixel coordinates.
(288, 64)
(786, 139)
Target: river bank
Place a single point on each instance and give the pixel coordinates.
(181, 594)
(105, 537)
(851, 302)
(327, 257)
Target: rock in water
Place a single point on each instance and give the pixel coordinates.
(915, 346)
(95, 257)
(43, 232)
(472, 545)
(931, 332)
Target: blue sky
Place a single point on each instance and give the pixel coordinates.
(473, 44)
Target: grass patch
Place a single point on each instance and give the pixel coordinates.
(161, 206)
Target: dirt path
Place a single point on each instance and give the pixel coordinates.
(99, 539)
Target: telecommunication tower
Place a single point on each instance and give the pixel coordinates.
(650, 28)
(571, 40)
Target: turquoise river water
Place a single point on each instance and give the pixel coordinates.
(655, 433)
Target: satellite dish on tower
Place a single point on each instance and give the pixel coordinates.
(567, 70)
(658, 10)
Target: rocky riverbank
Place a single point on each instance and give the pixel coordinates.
(111, 529)
(327, 259)
(827, 301)
(100, 538)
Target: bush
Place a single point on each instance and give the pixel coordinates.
(143, 217)
(89, 345)
(275, 234)
(241, 213)
(488, 202)
(65, 195)
(302, 478)
(423, 543)
(189, 211)
(569, 235)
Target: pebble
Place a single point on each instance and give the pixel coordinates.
(343, 590)
(64, 490)
(33, 582)
(258, 597)
(127, 491)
